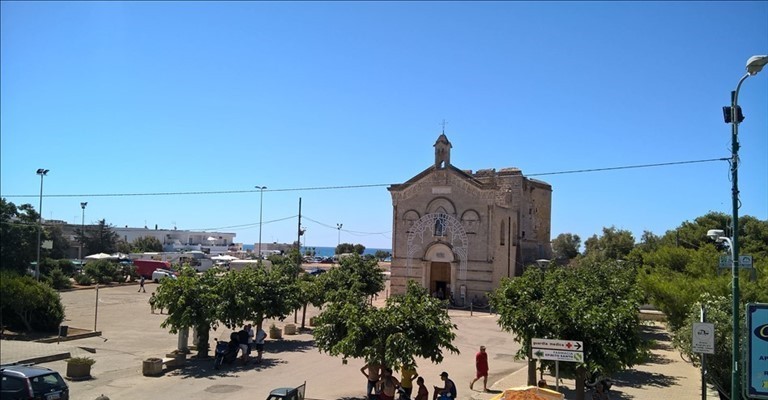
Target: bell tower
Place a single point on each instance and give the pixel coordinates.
(442, 152)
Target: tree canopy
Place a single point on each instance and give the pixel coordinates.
(350, 248)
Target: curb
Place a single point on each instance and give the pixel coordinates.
(68, 338)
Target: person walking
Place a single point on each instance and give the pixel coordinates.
(242, 339)
(251, 334)
(407, 375)
(448, 391)
(141, 285)
(481, 366)
(372, 370)
(423, 393)
(152, 300)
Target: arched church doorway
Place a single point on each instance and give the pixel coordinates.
(440, 279)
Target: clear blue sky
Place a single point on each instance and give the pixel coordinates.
(146, 97)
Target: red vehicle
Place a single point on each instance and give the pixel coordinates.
(145, 268)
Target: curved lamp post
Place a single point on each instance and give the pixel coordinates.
(734, 116)
(42, 172)
(261, 205)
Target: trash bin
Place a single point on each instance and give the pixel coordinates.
(63, 329)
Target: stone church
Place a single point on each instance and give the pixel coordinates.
(459, 233)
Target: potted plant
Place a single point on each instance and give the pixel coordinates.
(274, 332)
(79, 368)
(152, 366)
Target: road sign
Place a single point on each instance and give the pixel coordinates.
(726, 261)
(555, 344)
(703, 338)
(558, 355)
(757, 342)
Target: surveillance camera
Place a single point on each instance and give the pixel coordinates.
(715, 234)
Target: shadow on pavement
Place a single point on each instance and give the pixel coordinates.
(279, 346)
(204, 368)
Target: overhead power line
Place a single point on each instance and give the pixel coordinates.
(198, 193)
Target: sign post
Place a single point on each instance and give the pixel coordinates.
(558, 350)
(703, 342)
(757, 350)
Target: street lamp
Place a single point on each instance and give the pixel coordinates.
(261, 207)
(734, 116)
(338, 226)
(42, 172)
(82, 232)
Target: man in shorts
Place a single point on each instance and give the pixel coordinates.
(259, 343)
(481, 366)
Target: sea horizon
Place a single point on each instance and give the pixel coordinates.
(322, 251)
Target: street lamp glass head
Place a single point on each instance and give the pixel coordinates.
(715, 234)
(42, 171)
(83, 204)
(756, 63)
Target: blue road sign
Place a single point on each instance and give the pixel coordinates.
(757, 363)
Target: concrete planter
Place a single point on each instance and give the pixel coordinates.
(289, 329)
(78, 372)
(275, 333)
(178, 359)
(152, 367)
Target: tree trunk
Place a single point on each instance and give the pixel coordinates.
(581, 375)
(202, 341)
(531, 372)
(303, 315)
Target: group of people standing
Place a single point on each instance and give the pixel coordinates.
(382, 385)
(245, 340)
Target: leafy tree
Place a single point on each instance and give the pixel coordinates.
(28, 304)
(255, 294)
(382, 254)
(58, 280)
(61, 245)
(99, 239)
(596, 303)
(354, 277)
(192, 302)
(565, 247)
(409, 326)
(350, 248)
(146, 244)
(18, 236)
(102, 271)
(310, 291)
(615, 244)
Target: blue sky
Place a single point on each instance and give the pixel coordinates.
(148, 97)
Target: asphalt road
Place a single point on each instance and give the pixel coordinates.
(132, 334)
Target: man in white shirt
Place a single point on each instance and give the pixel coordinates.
(259, 341)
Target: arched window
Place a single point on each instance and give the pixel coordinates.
(440, 222)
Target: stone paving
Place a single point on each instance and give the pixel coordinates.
(131, 334)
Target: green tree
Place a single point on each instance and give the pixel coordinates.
(99, 239)
(310, 291)
(614, 244)
(18, 236)
(596, 303)
(382, 254)
(192, 302)
(565, 247)
(255, 294)
(28, 304)
(146, 244)
(61, 245)
(350, 248)
(409, 326)
(102, 271)
(354, 277)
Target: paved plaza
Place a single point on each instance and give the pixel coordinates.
(131, 334)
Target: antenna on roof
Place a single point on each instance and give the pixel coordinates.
(443, 124)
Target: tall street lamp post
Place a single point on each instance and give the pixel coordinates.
(82, 233)
(42, 172)
(338, 226)
(261, 207)
(734, 116)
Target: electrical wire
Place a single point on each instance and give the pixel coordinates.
(196, 193)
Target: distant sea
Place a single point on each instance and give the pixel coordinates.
(322, 251)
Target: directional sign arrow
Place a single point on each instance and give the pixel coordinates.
(578, 346)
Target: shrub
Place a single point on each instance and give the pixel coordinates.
(83, 279)
(102, 271)
(81, 361)
(58, 279)
(27, 304)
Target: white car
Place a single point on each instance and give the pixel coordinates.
(159, 274)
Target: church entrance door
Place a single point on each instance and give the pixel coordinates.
(440, 279)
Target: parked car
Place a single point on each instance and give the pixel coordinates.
(160, 273)
(30, 382)
(316, 271)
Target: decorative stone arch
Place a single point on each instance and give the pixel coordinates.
(410, 217)
(470, 220)
(441, 205)
(421, 234)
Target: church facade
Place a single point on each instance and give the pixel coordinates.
(458, 232)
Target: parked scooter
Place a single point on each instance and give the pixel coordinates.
(601, 386)
(225, 352)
